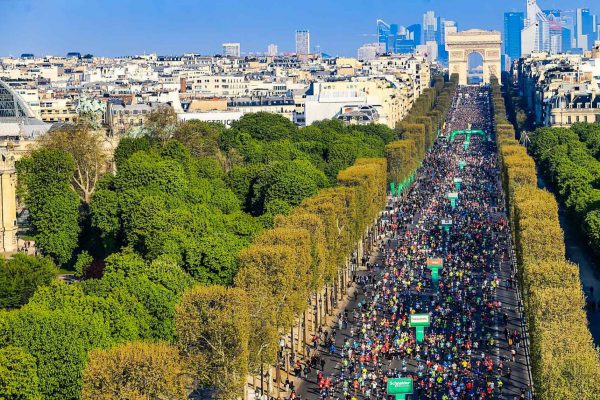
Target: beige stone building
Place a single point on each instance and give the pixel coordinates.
(560, 89)
(58, 110)
(120, 118)
(330, 99)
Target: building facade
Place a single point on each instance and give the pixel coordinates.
(302, 42)
(231, 50)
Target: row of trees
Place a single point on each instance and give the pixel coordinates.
(418, 130)
(565, 363)
(574, 171)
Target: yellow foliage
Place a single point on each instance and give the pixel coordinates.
(213, 328)
(564, 362)
(402, 159)
(313, 224)
(548, 274)
(531, 202)
(539, 240)
(135, 371)
(281, 267)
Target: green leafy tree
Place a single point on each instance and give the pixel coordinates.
(128, 146)
(45, 178)
(160, 125)
(18, 375)
(21, 275)
(59, 341)
(200, 138)
(86, 147)
(83, 262)
(265, 126)
(288, 181)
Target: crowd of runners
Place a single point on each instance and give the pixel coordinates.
(473, 345)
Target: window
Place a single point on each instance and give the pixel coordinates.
(569, 120)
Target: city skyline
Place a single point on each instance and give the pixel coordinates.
(200, 27)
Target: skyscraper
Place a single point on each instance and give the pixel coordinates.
(231, 49)
(585, 28)
(513, 25)
(302, 42)
(395, 38)
(415, 33)
(556, 33)
(430, 27)
(533, 35)
(272, 50)
(383, 34)
(444, 27)
(568, 19)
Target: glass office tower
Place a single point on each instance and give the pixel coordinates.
(513, 24)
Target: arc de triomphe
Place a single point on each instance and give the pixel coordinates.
(461, 44)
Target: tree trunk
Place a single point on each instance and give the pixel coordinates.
(340, 290)
(334, 291)
(326, 301)
(278, 380)
(333, 297)
(292, 343)
(317, 313)
(344, 273)
(305, 334)
(262, 378)
(269, 382)
(301, 322)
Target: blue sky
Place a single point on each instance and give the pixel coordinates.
(123, 27)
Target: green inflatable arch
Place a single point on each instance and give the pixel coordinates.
(468, 134)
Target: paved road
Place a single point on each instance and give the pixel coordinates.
(468, 312)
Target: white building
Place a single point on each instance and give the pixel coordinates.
(231, 49)
(428, 50)
(326, 100)
(302, 42)
(369, 51)
(272, 50)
